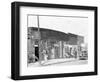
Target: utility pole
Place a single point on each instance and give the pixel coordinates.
(38, 23)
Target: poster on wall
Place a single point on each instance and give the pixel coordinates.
(53, 40)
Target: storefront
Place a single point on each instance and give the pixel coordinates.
(46, 44)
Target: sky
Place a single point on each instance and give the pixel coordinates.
(75, 25)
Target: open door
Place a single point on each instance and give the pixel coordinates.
(37, 52)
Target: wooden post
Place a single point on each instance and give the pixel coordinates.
(38, 23)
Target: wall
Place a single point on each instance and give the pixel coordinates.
(5, 42)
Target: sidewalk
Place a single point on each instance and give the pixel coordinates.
(51, 62)
(57, 61)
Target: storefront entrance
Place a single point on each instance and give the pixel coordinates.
(37, 52)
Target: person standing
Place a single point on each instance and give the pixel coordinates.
(45, 56)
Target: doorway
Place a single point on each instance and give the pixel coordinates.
(36, 52)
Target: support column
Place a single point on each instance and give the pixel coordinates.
(61, 49)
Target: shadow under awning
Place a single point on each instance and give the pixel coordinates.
(45, 34)
(51, 34)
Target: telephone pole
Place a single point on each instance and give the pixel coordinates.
(38, 23)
